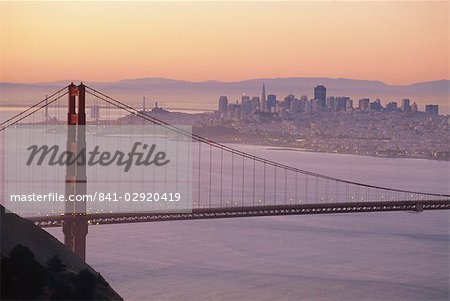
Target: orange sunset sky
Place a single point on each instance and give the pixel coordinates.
(395, 42)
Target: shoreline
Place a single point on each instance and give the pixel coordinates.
(298, 149)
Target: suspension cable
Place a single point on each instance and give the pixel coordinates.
(33, 106)
(30, 113)
(157, 121)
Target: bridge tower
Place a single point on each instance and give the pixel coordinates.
(75, 225)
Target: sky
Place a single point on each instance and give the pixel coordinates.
(395, 42)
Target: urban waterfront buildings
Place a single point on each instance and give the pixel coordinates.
(291, 107)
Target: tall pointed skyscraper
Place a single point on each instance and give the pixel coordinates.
(263, 99)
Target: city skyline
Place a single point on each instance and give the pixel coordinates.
(224, 41)
(290, 106)
(203, 95)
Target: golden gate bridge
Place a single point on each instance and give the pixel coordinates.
(226, 182)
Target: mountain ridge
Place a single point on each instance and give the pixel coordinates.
(165, 79)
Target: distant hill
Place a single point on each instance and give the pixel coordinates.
(186, 94)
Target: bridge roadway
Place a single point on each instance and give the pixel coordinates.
(230, 212)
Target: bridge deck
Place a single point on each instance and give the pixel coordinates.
(229, 212)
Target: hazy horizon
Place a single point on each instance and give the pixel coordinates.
(171, 93)
(144, 77)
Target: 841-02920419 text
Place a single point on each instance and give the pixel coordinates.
(140, 197)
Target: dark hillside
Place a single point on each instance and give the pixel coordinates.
(36, 266)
